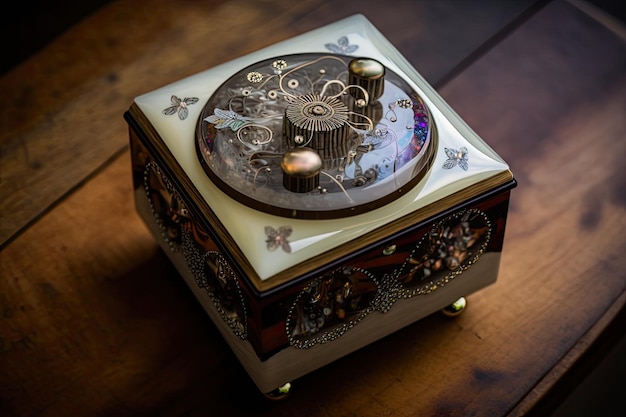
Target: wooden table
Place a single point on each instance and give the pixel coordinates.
(94, 321)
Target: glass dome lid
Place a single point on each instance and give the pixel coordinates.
(315, 136)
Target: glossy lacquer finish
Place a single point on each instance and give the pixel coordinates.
(321, 201)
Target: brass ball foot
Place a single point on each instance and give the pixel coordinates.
(455, 308)
(279, 393)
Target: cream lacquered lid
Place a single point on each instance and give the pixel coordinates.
(225, 153)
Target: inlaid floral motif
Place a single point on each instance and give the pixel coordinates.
(278, 238)
(342, 46)
(456, 158)
(180, 106)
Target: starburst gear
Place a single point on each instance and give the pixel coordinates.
(321, 120)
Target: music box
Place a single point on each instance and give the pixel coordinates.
(316, 196)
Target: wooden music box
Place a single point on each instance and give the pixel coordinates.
(316, 196)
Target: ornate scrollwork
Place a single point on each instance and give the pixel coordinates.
(333, 303)
(209, 268)
(329, 306)
(167, 206)
(212, 272)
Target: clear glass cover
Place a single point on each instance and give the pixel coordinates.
(374, 142)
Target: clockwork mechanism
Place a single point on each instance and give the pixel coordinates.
(315, 136)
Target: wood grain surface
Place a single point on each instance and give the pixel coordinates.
(60, 115)
(94, 321)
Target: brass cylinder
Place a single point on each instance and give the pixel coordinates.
(369, 74)
(301, 170)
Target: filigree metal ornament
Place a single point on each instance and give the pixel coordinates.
(329, 306)
(167, 206)
(212, 272)
(334, 303)
(180, 106)
(446, 251)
